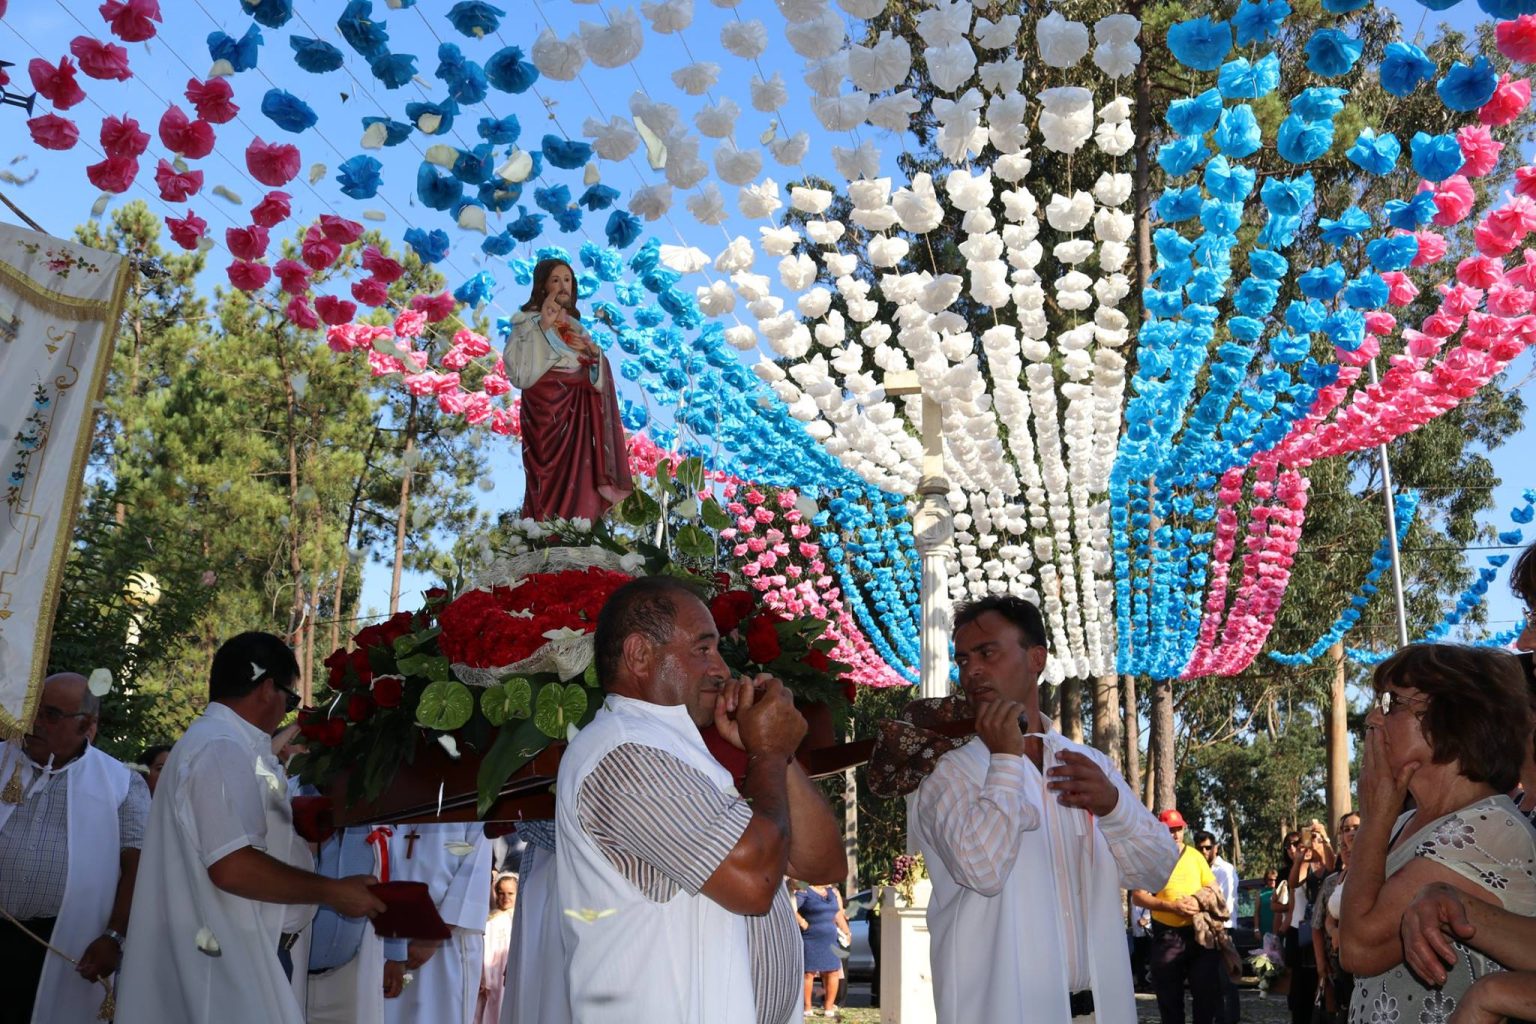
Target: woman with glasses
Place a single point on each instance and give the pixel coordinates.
(1449, 725)
(1334, 984)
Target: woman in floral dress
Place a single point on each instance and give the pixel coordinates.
(1449, 725)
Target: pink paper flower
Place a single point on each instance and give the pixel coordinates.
(214, 100)
(192, 139)
(410, 323)
(474, 344)
(186, 231)
(495, 384)
(370, 291)
(348, 337)
(1453, 199)
(249, 276)
(502, 422)
(57, 85)
(1508, 102)
(105, 61)
(478, 410)
(380, 364)
(114, 174)
(272, 163)
(437, 307)
(381, 266)
(301, 313)
(1479, 149)
(1431, 249)
(334, 310)
(273, 209)
(292, 275)
(1525, 181)
(247, 243)
(51, 131)
(132, 21)
(121, 137)
(453, 403)
(318, 252)
(177, 186)
(1517, 39)
(339, 229)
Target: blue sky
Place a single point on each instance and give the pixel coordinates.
(59, 196)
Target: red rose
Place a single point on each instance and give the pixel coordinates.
(436, 596)
(337, 664)
(816, 661)
(332, 731)
(722, 581)
(730, 608)
(359, 707)
(762, 639)
(314, 818)
(360, 667)
(850, 689)
(387, 691)
(396, 626)
(312, 724)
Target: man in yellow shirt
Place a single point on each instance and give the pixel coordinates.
(1176, 956)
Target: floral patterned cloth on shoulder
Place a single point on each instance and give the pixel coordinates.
(1489, 843)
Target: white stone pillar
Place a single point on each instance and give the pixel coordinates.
(906, 979)
(933, 527)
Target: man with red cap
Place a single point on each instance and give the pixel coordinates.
(1176, 956)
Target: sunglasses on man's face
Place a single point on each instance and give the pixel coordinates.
(1205, 849)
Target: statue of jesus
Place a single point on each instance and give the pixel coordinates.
(573, 441)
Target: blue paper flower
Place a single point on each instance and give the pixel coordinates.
(1240, 80)
(430, 246)
(393, 69)
(437, 192)
(1301, 142)
(1219, 218)
(1403, 67)
(1410, 215)
(1237, 132)
(1259, 22)
(527, 227)
(315, 55)
(466, 79)
(477, 290)
(475, 166)
(395, 132)
(1506, 10)
(287, 111)
(499, 131)
(1350, 225)
(474, 18)
(604, 262)
(1175, 205)
(368, 37)
(1289, 348)
(1228, 182)
(1395, 252)
(1375, 154)
(552, 199)
(241, 53)
(1180, 156)
(499, 244)
(509, 72)
(1368, 291)
(1245, 328)
(1195, 115)
(622, 229)
(1319, 103)
(1271, 266)
(446, 110)
(1467, 88)
(1287, 197)
(1305, 317)
(1344, 6)
(1331, 53)
(499, 195)
(567, 218)
(271, 13)
(566, 154)
(359, 177)
(598, 197)
(1200, 43)
(1322, 283)
(1255, 297)
(1436, 157)
(1345, 328)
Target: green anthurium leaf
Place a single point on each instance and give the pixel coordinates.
(496, 704)
(426, 666)
(515, 746)
(445, 706)
(713, 515)
(694, 542)
(589, 677)
(639, 509)
(690, 472)
(519, 696)
(558, 706)
(574, 704)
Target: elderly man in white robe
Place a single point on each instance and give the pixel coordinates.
(71, 825)
(1029, 838)
(454, 860)
(215, 885)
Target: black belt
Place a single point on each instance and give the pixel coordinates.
(287, 941)
(1081, 1003)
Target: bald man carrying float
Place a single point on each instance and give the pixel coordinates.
(71, 825)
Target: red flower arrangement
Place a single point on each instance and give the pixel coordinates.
(504, 625)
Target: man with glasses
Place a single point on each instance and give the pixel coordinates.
(71, 824)
(1176, 955)
(218, 877)
(1226, 883)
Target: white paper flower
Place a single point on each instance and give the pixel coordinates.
(1112, 189)
(797, 271)
(612, 140)
(770, 95)
(100, 682)
(651, 202)
(945, 22)
(1117, 28)
(824, 232)
(1012, 166)
(1069, 214)
(822, 36)
(697, 78)
(556, 58)
(1002, 76)
(684, 167)
(1007, 128)
(810, 200)
(814, 303)
(939, 293)
(778, 241)
(685, 259)
(667, 16)
(715, 299)
(745, 39)
(862, 161)
(1113, 225)
(613, 43)
(738, 255)
(840, 113)
(1002, 34)
(1072, 252)
(1067, 120)
(882, 66)
(759, 200)
(790, 151)
(951, 66)
(967, 192)
(797, 11)
(917, 206)
(1115, 139)
(472, 218)
(840, 265)
(767, 307)
(736, 166)
(862, 8)
(717, 120)
(1117, 109)
(1062, 43)
(1117, 60)
(741, 337)
(893, 112)
(661, 118)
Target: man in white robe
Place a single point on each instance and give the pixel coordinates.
(214, 888)
(1028, 840)
(348, 981)
(454, 860)
(71, 824)
(535, 991)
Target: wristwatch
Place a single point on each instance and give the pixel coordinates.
(115, 935)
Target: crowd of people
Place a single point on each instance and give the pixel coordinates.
(661, 890)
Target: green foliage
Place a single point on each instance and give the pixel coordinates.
(445, 706)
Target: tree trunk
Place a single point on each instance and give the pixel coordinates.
(1141, 174)
(1338, 741)
(1132, 733)
(1161, 749)
(405, 509)
(1237, 841)
(851, 831)
(1106, 719)
(1072, 709)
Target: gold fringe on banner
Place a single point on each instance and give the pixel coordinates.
(65, 307)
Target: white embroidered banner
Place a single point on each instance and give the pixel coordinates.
(59, 307)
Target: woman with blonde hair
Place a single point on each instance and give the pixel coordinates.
(498, 938)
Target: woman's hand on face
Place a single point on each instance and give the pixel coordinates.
(1382, 791)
